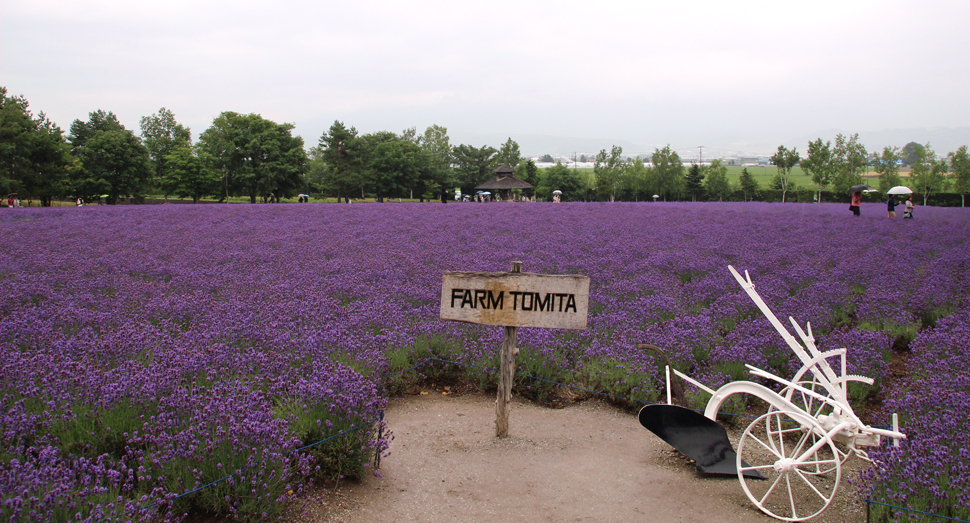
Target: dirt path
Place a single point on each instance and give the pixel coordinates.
(586, 462)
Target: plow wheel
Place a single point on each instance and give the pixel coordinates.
(773, 444)
(815, 408)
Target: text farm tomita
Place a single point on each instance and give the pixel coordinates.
(515, 299)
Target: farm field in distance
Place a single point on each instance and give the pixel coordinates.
(147, 351)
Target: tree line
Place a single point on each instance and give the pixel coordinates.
(842, 164)
(246, 155)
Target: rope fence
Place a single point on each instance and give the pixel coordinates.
(613, 396)
(869, 502)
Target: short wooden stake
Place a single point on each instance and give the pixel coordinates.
(506, 376)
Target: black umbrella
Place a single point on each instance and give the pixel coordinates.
(858, 188)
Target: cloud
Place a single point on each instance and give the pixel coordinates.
(636, 71)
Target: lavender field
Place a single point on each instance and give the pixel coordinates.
(149, 350)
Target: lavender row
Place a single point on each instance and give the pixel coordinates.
(930, 471)
(147, 351)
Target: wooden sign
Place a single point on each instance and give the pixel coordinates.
(516, 299)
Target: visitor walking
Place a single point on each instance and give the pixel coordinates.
(856, 203)
(891, 205)
(908, 213)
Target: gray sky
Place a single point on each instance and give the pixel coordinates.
(717, 73)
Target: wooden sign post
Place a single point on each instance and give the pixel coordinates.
(514, 299)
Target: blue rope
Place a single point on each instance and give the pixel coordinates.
(426, 360)
(407, 370)
(623, 397)
(555, 383)
(585, 390)
(869, 501)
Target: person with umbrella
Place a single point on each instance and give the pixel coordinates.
(856, 203)
(856, 191)
(901, 190)
(891, 205)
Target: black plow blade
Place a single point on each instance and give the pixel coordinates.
(700, 439)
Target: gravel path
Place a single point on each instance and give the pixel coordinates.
(586, 462)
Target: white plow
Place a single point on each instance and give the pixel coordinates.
(806, 435)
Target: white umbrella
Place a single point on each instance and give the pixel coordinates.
(900, 189)
(486, 192)
(557, 192)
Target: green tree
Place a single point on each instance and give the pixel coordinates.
(636, 178)
(608, 170)
(528, 172)
(508, 154)
(218, 143)
(440, 175)
(561, 178)
(547, 158)
(50, 161)
(850, 160)
(819, 164)
(589, 183)
(887, 166)
(411, 135)
(279, 158)
(189, 174)
(98, 121)
(928, 173)
(960, 165)
(473, 165)
(162, 135)
(910, 154)
(785, 161)
(113, 160)
(345, 154)
(717, 183)
(694, 182)
(254, 156)
(34, 157)
(667, 178)
(113, 163)
(396, 165)
(317, 177)
(749, 186)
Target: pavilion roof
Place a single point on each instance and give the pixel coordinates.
(503, 183)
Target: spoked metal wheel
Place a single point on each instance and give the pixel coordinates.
(815, 408)
(775, 445)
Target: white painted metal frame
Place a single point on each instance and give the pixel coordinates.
(802, 442)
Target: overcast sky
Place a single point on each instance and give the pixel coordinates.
(686, 72)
